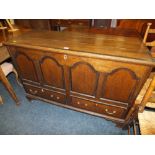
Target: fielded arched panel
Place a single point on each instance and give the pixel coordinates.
(26, 66)
(120, 84)
(84, 78)
(52, 72)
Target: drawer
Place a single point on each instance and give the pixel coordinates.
(54, 96)
(44, 93)
(98, 108)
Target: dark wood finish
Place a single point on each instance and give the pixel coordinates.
(38, 24)
(53, 75)
(70, 22)
(26, 66)
(110, 31)
(139, 25)
(102, 23)
(101, 72)
(127, 27)
(23, 23)
(117, 80)
(98, 108)
(93, 45)
(51, 24)
(80, 82)
(45, 93)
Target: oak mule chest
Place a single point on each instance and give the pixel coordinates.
(92, 73)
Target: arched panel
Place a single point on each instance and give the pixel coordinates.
(26, 66)
(84, 78)
(52, 72)
(120, 84)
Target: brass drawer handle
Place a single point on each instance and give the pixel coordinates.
(86, 105)
(58, 97)
(78, 102)
(110, 113)
(52, 96)
(33, 92)
(42, 90)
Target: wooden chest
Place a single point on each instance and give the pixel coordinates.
(92, 73)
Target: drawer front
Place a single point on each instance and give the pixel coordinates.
(98, 108)
(46, 94)
(68, 22)
(54, 96)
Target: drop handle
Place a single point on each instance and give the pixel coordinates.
(110, 113)
(33, 92)
(78, 102)
(58, 97)
(52, 96)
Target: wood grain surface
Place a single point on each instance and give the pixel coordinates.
(109, 46)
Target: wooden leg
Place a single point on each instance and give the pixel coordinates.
(8, 86)
(129, 130)
(29, 98)
(134, 128)
(147, 95)
(1, 100)
(121, 125)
